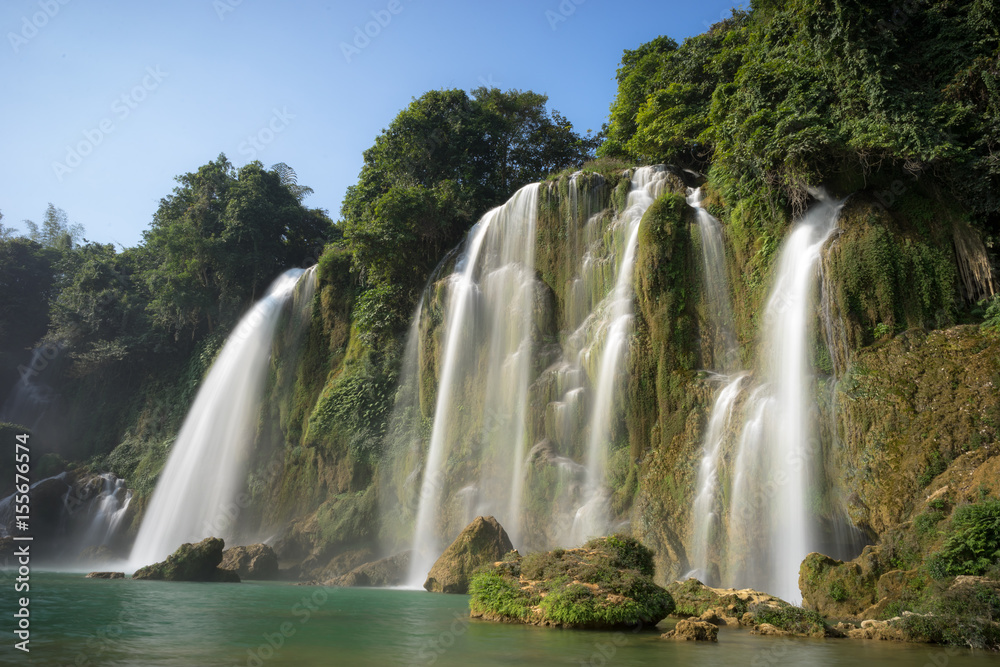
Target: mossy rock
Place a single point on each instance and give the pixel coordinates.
(191, 562)
(483, 541)
(726, 605)
(607, 583)
(837, 589)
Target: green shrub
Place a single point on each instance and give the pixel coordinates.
(991, 318)
(791, 619)
(492, 592)
(973, 547)
(837, 591)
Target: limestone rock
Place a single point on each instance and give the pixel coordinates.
(483, 541)
(841, 590)
(698, 631)
(768, 629)
(106, 575)
(606, 583)
(389, 571)
(191, 562)
(727, 606)
(257, 561)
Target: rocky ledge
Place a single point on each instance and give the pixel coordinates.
(191, 562)
(607, 583)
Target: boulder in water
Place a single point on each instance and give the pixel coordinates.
(483, 541)
(693, 631)
(607, 583)
(391, 571)
(257, 561)
(191, 562)
(106, 575)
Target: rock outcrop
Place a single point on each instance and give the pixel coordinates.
(257, 561)
(765, 614)
(106, 575)
(191, 562)
(483, 541)
(607, 583)
(696, 631)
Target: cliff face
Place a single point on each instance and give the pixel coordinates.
(905, 395)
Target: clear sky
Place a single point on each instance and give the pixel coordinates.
(106, 102)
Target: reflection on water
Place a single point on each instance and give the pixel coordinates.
(77, 621)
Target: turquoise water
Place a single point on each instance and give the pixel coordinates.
(78, 621)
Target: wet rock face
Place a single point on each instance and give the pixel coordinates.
(391, 571)
(191, 562)
(257, 561)
(841, 590)
(483, 541)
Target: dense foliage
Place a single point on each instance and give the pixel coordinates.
(790, 94)
(442, 162)
(113, 321)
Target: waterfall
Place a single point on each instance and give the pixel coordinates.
(196, 495)
(492, 291)
(771, 525)
(506, 374)
(705, 512)
(774, 451)
(107, 510)
(725, 350)
(591, 518)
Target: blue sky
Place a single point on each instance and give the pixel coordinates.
(106, 102)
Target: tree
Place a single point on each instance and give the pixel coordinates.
(55, 232)
(6, 233)
(441, 163)
(26, 285)
(221, 237)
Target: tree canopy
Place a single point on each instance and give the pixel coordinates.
(790, 94)
(442, 162)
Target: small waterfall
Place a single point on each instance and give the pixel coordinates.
(196, 495)
(705, 513)
(107, 511)
(725, 350)
(616, 318)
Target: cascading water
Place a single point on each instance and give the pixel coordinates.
(196, 495)
(770, 526)
(725, 351)
(477, 460)
(492, 290)
(591, 518)
(107, 511)
(705, 512)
